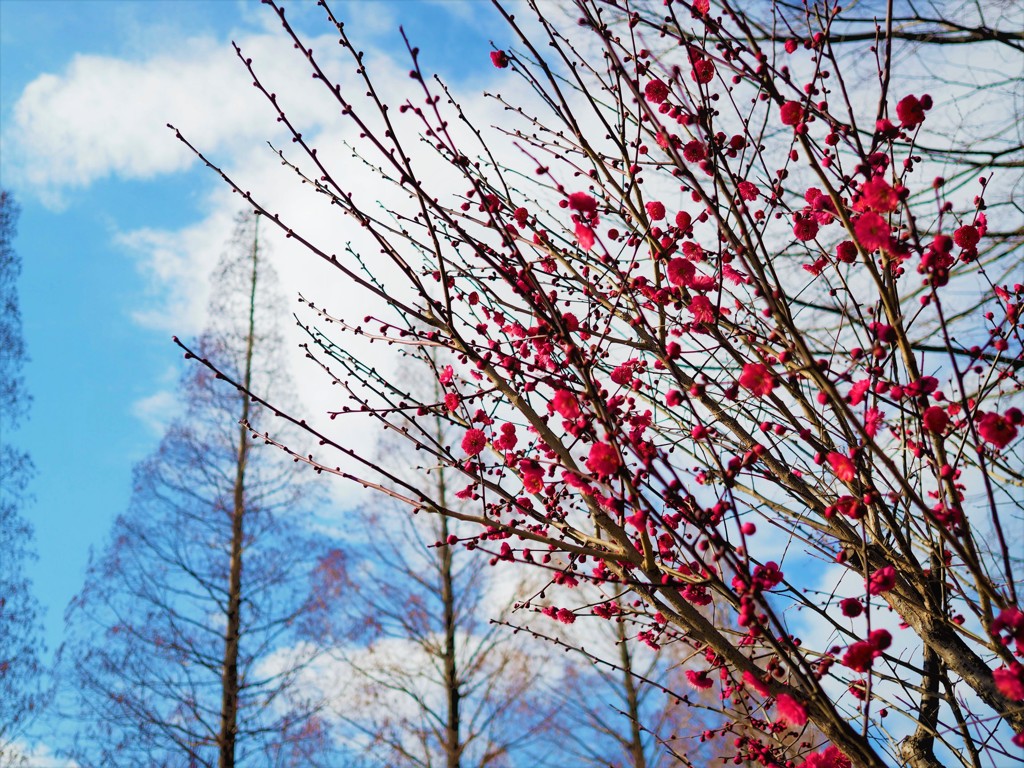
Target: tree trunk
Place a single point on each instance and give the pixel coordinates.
(229, 678)
(453, 745)
(636, 745)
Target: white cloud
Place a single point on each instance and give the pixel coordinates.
(170, 263)
(156, 410)
(36, 755)
(106, 116)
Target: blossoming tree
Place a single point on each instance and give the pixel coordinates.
(725, 348)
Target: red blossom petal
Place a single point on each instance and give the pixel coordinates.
(703, 71)
(842, 466)
(872, 231)
(734, 276)
(533, 479)
(804, 229)
(935, 419)
(702, 309)
(602, 460)
(791, 113)
(996, 429)
(910, 111)
(680, 271)
(623, 374)
(817, 267)
(564, 402)
(655, 210)
(585, 236)
(1010, 682)
(702, 283)
(830, 757)
(748, 190)
(694, 151)
(757, 378)
(846, 252)
(851, 607)
(751, 680)
(656, 91)
(966, 237)
(858, 391)
(875, 194)
(880, 639)
(873, 419)
(859, 656)
(582, 202)
(790, 710)
(698, 680)
(882, 580)
(473, 442)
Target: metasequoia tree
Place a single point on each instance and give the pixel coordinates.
(735, 333)
(170, 657)
(618, 705)
(430, 680)
(19, 611)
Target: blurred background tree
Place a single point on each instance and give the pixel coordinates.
(185, 644)
(20, 632)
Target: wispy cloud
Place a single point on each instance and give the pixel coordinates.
(156, 410)
(106, 116)
(36, 755)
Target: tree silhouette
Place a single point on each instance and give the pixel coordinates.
(185, 643)
(20, 640)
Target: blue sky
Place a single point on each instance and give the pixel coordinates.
(119, 227)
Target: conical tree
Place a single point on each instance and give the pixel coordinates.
(181, 645)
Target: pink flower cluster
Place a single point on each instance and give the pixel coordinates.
(860, 656)
(830, 757)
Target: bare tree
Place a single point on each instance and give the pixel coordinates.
(184, 646)
(433, 682)
(20, 640)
